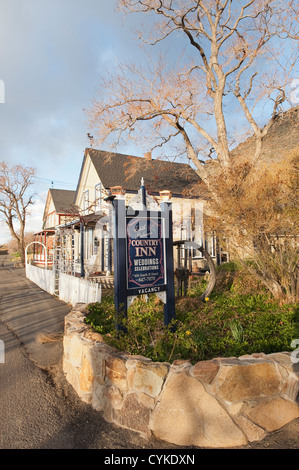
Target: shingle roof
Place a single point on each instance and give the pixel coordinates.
(282, 137)
(116, 169)
(63, 199)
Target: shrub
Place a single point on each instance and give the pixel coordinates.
(229, 324)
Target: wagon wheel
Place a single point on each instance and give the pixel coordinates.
(212, 279)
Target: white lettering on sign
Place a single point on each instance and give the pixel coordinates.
(146, 262)
(148, 290)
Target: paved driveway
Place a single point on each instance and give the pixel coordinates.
(29, 312)
(38, 407)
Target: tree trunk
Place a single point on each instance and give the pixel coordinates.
(21, 250)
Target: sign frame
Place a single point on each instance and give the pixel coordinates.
(144, 248)
(123, 295)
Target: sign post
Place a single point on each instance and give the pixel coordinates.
(143, 256)
(169, 305)
(119, 237)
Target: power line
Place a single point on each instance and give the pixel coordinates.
(41, 180)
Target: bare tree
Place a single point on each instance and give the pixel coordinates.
(240, 53)
(14, 201)
(232, 78)
(12, 245)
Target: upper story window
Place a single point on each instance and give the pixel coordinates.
(98, 196)
(85, 202)
(50, 220)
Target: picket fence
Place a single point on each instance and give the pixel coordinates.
(72, 289)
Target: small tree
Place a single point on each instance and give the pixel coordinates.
(260, 217)
(12, 245)
(14, 201)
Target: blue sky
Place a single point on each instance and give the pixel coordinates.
(52, 53)
(51, 56)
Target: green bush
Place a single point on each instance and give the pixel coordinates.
(229, 324)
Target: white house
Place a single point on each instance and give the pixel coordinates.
(58, 210)
(77, 225)
(104, 173)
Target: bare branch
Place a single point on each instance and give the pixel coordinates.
(228, 41)
(14, 183)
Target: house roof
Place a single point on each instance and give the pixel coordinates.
(63, 199)
(115, 169)
(282, 137)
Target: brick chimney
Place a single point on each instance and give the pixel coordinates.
(148, 155)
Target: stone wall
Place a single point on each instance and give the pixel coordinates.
(224, 402)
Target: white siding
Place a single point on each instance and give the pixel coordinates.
(52, 218)
(89, 180)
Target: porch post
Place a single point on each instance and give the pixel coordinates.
(82, 249)
(102, 252)
(109, 241)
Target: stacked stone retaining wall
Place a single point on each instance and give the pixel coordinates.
(220, 403)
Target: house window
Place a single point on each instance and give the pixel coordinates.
(210, 244)
(197, 229)
(96, 244)
(88, 243)
(98, 196)
(85, 202)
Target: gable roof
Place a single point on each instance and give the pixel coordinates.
(63, 199)
(115, 169)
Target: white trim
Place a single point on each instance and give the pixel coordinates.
(40, 243)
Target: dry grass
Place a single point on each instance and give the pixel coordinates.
(49, 337)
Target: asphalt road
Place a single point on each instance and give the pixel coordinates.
(38, 408)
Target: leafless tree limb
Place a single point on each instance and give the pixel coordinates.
(14, 201)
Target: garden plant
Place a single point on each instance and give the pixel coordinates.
(240, 317)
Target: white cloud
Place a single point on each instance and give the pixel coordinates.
(51, 55)
(34, 219)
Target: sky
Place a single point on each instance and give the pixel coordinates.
(52, 53)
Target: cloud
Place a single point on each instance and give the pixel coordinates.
(52, 54)
(34, 219)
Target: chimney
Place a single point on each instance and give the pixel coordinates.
(148, 155)
(117, 190)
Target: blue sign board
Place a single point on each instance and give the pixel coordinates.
(145, 255)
